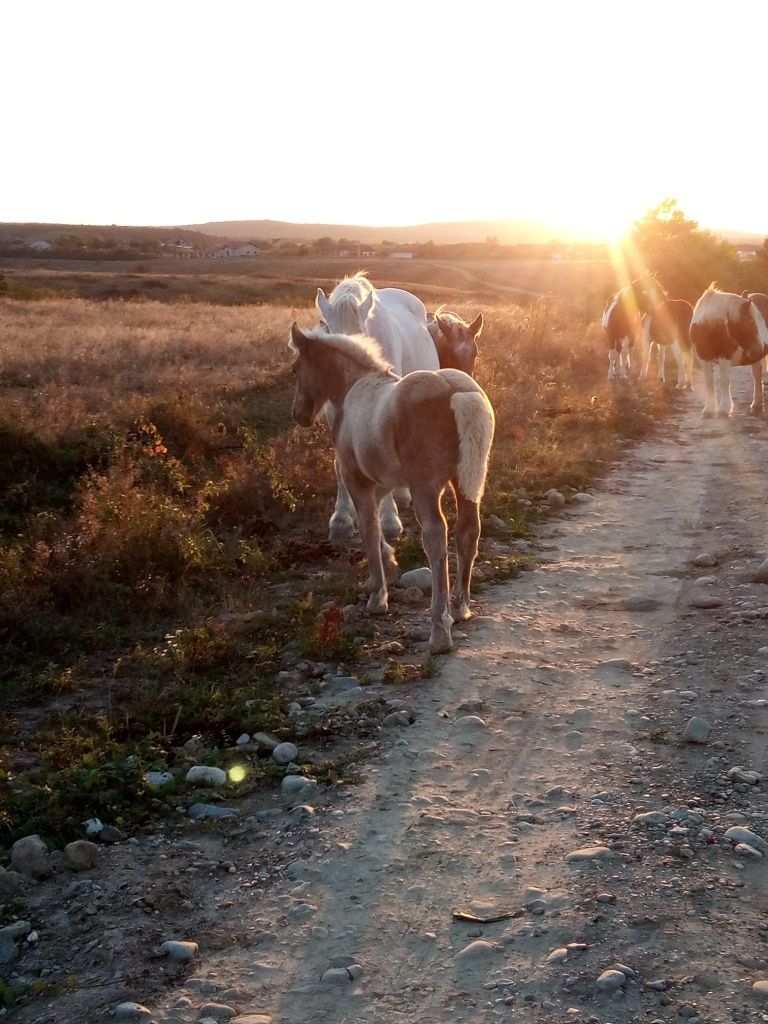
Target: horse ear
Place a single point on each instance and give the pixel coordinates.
(444, 326)
(477, 325)
(322, 303)
(365, 307)
(745, 294)
(299, 339)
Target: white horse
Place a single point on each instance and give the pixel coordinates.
(397, 320)
(421, 431)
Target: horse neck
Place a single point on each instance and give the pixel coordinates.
(341, 373)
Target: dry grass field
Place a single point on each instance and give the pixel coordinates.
(163, 542)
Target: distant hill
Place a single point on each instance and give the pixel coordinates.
(120, 232)
(508, 232)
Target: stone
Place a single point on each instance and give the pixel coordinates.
(470, 722)
(650, 819)
(345, 682)
(81, 855)
(738, 834)
(739, 774)
(494, 526)
(582, 498)
(11, 883)
(294, 785)
(410, 595)
(697, 730)
(554, 498)
(641, 604)
(109, 834)
(704, 561)
(760, 988)
(198, 812)
(206, 775)
(611, 981)
(284, 753)
(131, 1013)
(16, 930)
(264, 741)
(243, 739)
(477, 950)
(178, 951)
(706, 601)
(157, 780)
(29, 856)
(252, 1018)
(744, 850)
(761, 573)
(557, 956)
(396, 719)
(589, 854)
(217, 1011)
(337, 976)
(8, 950)
(421, 578)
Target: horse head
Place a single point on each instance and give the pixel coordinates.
(457, 349)
(346, 314)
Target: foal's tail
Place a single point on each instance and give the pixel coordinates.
(474, 424)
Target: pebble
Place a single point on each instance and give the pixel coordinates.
(293, 785)
(396, 719)
(611, 981)
(739, 834)
(242, 739)
(650, 818)
(582, 498)
(302, 812)
(760, 988)
(688, 695)
(697, 730)
(470, 722)
(265, 741)
(590, 853)
(197, 812)
(660, 985)
(180, 952)
(81, 855)
(705, 601)
(284, 753)
(340, 975)
(704, 561)
(205, 774)
(156, 780)
(128, 1013)
(29, 856)
(557, 956)
(554, 498)
(303, 910)
(494, 526)
(744, 850)
(477, 950)
(252, 1018)
(421, 578)
(109, 834)
(739, 774)
(217, 1011)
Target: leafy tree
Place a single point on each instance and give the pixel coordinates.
(685, 257)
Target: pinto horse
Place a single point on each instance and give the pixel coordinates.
(455, 339)
(622, 321)
(667, 328)
(397, 320)
(423, 431)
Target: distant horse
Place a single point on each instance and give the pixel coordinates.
(455, 339)
(622, 324)
(668, 328)
(398, 321)
(422, 431)
(729, 330)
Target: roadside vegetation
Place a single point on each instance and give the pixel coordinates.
(163, 550)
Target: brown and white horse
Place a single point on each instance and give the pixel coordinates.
(667, 328)
(423, 431)
(455, 339)
(622, 321)
(761, 301)
(729, 330)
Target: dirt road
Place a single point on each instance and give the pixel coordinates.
(554, 726)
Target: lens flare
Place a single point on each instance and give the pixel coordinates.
(236, 773)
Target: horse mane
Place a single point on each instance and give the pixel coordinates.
(364, 352)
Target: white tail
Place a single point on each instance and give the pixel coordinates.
(474, 423)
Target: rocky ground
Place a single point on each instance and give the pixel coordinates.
(568, 824)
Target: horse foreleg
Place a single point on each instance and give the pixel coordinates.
(467, 535)
(725, 404)
(708, 372)
(625, 359)
(612, 361)
(367, 504)
(679, 355)
(756, 407)
(434, 539)
(661, 363)
(391, 523)
(341, 528)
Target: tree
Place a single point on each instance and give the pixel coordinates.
(685, 257)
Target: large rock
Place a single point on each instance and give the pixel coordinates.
(81, 855)
(206, 775)
(740, 834)
(421, 578)
(284, 753)
(180, 952)
(132, 1013)
(29, 856)
(697, 730)
(11, 883)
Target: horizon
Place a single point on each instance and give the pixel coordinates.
(537, 115)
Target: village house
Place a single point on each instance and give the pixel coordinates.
(237, 249)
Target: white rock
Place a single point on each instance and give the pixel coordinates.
(180, 952)
(156, 780)
(557, 956)
(610, 981)
(217, 1011)
(242, 739)
(745, 850)
(470, 722)
(590, 853)
(739, 834)
(131, 1013)
(650, 818)
(295, 785)
(582, 498)
(421, 578)
(284, 753)
(206, 775)
(760, 988)
(739, 774)
(480, 949)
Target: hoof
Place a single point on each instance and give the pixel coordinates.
(440, 641)
(377, 605)
(460, 612)
(341, 531)
(755, 410)
(708, 414)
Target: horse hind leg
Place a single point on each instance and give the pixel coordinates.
(341, 528)
(661, 363)
(756, 408)
(391, 524)
(467, 535)
(367, 504)
(434, 539)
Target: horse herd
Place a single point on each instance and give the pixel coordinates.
(407, 417)
(723, 330)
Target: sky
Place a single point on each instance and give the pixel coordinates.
(582, 113)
